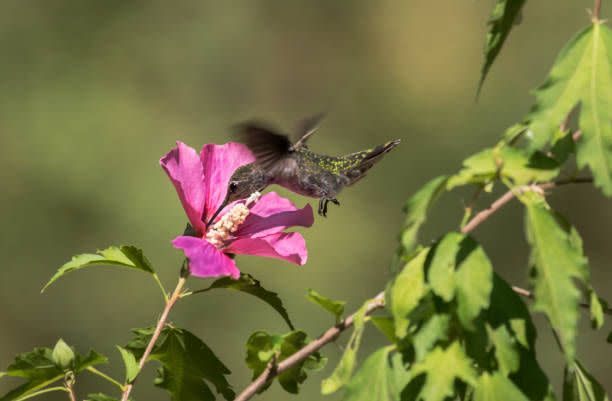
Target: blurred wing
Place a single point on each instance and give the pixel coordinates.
(305, 128)
(268, 146)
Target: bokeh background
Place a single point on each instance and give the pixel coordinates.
(93, 93)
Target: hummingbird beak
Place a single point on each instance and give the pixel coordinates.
(216, 213)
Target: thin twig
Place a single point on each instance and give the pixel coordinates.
(325, 338)
(508, 196)
(596, 10)
(176, 294)
(378, 301)
(528, 294)
(70, 389)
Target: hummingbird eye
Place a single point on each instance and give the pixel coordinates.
(233, 187)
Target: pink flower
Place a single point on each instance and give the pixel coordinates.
(255, 227)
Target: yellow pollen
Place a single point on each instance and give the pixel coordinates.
(223, 229)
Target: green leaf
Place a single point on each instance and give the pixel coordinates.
(460, 267)
(334, 307)
(442, 367)
(187, 364)
(344, 370)
(433, 330)
(580, 75)
(63, 356)
(579, 385)
(416, 209)
(381, 378)
(249, 285)
(406, 291)
(40, 370)
(596, 308)
(386, 325)
(557, 263)
(491, 386)
(504, 16)
(507, 353)
(130, 363)
(124, 255)
(511, 164)
(264, 348)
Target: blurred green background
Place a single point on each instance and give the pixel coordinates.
(93, 93)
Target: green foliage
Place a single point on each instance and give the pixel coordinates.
(557, 262)
(264, 348)
(187, 364)
(442, 367)
(124, 255)
(506, 13)
(416, 209)
(579, 385)
(130, 363)
(512, 165)
(344, 370)
(334, 307)
(381, 378)
(249, 285)
(491, 386)
(42, 367)
(581, 75)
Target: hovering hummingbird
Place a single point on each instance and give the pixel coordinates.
(297, 168)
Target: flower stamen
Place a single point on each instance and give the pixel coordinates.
(222, 230)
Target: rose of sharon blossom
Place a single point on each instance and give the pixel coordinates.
(251, 227)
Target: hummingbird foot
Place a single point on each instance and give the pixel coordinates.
(323, 205)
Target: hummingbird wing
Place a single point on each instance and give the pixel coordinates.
(305, 128)
(268, 146)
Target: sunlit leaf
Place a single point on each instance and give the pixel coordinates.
(580, 75)
(557, 263)
(264, 348)
(249, 285)
(416, 209)
(130, 363)
(386, 325)
(124, 255)
(441, 368)
(187, 364)
(344, 370)
(334, 307)
(491, 386)
(504, 16)
(381, 378)
(433, 330)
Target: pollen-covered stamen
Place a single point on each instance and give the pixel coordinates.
(222, 230)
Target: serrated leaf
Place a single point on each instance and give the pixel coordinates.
(130, 363)
(334, 307)
(491, 386)
(596, 308)
(433, 330)
(187, 364)
(580, 75)
(406, 291)
(63, 356)
(381, 378)
(506, 349)
(40, 370)
(249, 285)
(556, 264)
(416, 209)
(442, 367)
(504, 16)
(344, 370)
(579, 385)
(512, 164)
(124, 255)
(262, 348)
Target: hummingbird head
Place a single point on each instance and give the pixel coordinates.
(245, 181)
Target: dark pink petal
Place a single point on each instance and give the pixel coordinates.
(184, 167)
(220, 162)
(204, 259)
(287, 246)
(272, 214)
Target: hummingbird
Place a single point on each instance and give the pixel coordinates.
(294, 166)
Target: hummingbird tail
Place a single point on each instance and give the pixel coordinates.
(370, 158)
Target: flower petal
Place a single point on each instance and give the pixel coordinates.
(184, 167)
(220, 162)
(272, 214)
(287, 246)
(204, 259)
